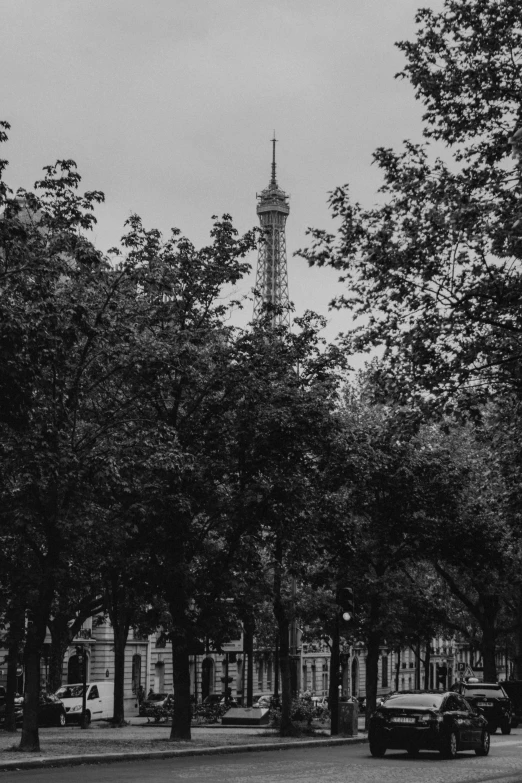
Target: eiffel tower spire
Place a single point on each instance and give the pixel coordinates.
(272, 272)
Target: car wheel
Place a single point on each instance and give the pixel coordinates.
(505, 727)
(449, 746)
(492, 728)
(377, 749)
(61, 719)
(484, 744)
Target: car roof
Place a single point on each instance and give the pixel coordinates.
(431, 690)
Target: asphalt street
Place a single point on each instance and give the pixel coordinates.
(341, 764)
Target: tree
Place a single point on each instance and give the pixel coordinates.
(434, 269)
(59, 325)
(182, 360)
(283, 424)
(477, 552)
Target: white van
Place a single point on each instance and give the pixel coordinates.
(99, 704)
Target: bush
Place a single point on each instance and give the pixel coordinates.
(209, 713)
(303, 710)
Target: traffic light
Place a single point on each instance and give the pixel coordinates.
(347, 603)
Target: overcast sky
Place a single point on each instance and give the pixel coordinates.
(168, 106)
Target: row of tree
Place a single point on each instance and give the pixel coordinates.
(164, 469)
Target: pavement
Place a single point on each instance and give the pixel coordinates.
(139, 729)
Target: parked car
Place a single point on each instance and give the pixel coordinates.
(428, 720)
(150, 707)
(513, 688)
(215, 699)
(99, 703)
(51, 711)
(491, 699)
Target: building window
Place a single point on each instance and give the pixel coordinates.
(305, 677)
(384, 675)
(314, 678)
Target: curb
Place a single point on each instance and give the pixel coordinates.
(109, 758)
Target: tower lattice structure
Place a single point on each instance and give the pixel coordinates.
(272, 271)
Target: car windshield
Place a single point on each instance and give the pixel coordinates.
(156, 697)
(494, 691)
(70, 692)
(430, 701)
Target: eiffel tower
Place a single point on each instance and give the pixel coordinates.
(272, 273)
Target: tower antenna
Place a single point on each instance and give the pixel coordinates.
(273, 181)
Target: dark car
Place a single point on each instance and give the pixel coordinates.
(428, 720)
(51, 711)
(154, 701)
(216, 699)
(492, 701)
(513, 688)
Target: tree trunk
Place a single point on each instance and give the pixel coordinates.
(418, 665)
(489, 639)
(397, 668)
(16, 620)
(489, 636)
(287, 728)
(517, 658)
(30, 740)
(276, 671)
(182, 716)
(249, 649)
(120, 615)
(373, 643)
(427, 662)
(10, 690)
(120, 642)
(333, 690)
(60, 640)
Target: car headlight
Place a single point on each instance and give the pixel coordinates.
(77, 708)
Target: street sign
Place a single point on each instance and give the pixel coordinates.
(461, 666)
(469, 672)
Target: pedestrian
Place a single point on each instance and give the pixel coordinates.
(141, 695)
(150, 692)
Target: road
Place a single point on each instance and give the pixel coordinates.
(341, 764)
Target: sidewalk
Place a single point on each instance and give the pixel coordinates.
(101, 743)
